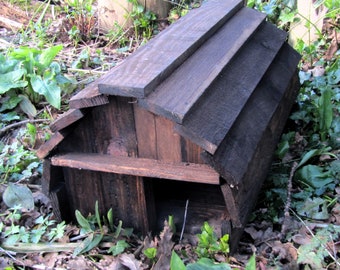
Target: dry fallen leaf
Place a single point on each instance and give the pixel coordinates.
(130, 261)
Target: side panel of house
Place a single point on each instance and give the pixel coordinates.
(108, 129)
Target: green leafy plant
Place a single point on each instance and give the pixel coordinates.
(44, 230)
(92, 229)
(143, 21)
(320, 249)
(81, 21)
(208, 243)
(29, 74)
(278, 12)
(16, 162)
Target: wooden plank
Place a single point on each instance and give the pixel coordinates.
(45, 149)
(176, 96)
(60, 203)
(139, 167)
(88, 97)
(233, 210)
(168, 142)
(146, 133)
(107, 129)
(140, 73)
(240, 146)
(157, 140)
(122, 193)
(245, 155)
(66, 119)
(222, 103)
(51, 177)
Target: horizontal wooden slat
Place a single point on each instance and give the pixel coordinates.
(66, 119)
(222, 103)
(88, 97)
(176, 96)
(190, 172)
(152, 63)
(45, 149)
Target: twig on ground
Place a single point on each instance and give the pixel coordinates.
(288, 202)
(4, 129)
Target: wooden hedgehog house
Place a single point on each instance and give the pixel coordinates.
(192, 116)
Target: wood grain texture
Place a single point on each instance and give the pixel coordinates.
(66, 119)
(45, 149)
(152, 63)
(237, 150)
(107, 129)
(138, 167)
(222, 103)
(51, 177)
(122, 193)
(88, 97)
(177, 95)
(146, 133)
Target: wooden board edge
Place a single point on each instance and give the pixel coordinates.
(181, 171)
(45, 149)
(111, 84)
(66, 119)
(88, 97)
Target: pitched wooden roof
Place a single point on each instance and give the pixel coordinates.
(218, 72)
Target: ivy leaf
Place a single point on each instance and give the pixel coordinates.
(315, 208)
(311, 259)
(118, 248)
(16, 195)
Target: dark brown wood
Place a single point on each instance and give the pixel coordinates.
(88, 97)
(238, 148)
(222, 103)
(45, 149)
(220, 82)
(190, 172)
(66, 119)
(123, 193)
(106, 129)
(51, 176)
(231, 206)
(176, 96)
(60, 203)
(152, 63)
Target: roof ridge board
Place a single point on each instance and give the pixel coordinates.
(142, 71)
(208, 124)
(237, 145)
(176, 96)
